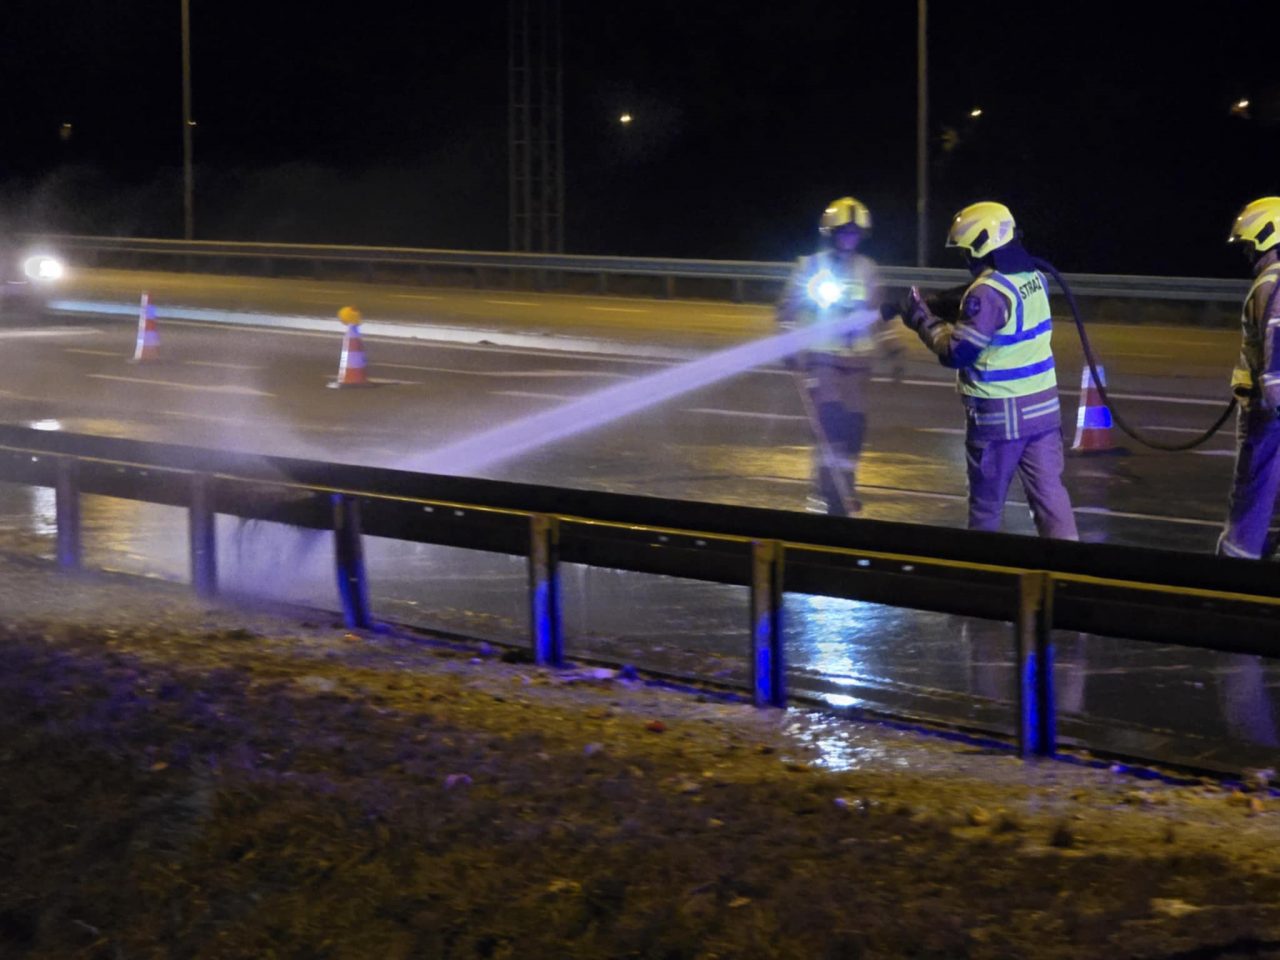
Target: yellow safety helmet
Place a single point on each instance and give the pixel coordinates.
(841, 213)
(981, 227)
(1258, 224)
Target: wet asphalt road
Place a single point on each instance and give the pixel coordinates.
(744, 440)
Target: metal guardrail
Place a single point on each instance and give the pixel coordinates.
(1211, 603)
(737, 272)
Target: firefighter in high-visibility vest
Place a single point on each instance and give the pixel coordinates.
(999, 346)
(1256, 385)
(826, 288)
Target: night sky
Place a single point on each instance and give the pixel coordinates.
(1106, 127)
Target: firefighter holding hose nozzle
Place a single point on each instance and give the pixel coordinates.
(835, 372)
(999, 346)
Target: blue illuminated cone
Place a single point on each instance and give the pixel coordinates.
(1093, 418)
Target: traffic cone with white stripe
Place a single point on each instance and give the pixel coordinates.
(147, 349)
(1093, 417)
(351, 368)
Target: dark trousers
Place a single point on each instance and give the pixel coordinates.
(837, 388)
(1038, 461)
(1254, 486)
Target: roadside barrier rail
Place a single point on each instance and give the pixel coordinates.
(1211, 603)
(487, 263)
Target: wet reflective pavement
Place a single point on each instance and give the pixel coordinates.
(742, 441)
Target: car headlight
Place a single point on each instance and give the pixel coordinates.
(43, 267)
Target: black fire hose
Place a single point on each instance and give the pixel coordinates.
(1102, 390)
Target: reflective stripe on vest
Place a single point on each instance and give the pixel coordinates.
(1019, 359)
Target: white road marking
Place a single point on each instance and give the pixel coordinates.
(214, 363)
(508, 373)
(1191, 401)
(1214, 453)
(224, 388)
(514, 303)
(487, 348)
(525, 393)
(618, 309)
(1152, 426)
(916, 383)
(206, 416)
(1141, 355)
(746, 413)
(1189, 521)
(415, 296)
(95, 353)
(26, 334)
(957, 431)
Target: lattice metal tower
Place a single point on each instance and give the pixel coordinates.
(535, 139)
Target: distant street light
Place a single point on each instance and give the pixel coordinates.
(976, 112)
(922, 130)
(188, 180)
(1240, 108)
(625, 119)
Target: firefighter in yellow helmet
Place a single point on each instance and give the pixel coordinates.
(835, 373)
(1256, 384)
(999, 346)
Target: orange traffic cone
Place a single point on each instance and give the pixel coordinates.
(351, 368)
(1093, 417)
(148, 347)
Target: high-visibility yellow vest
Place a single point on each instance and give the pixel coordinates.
(855, 281)
(1018, 360)
(1268, 333)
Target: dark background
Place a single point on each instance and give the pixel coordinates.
(1106, 127)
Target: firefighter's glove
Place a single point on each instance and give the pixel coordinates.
(915, 312)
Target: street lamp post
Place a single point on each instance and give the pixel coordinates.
(188, 180)
(922, 133)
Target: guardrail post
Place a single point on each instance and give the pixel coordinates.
(738, 290)
(768, 666)
(348, 553)
(546, 625)
(67, 511)
(201, 525)
(602, 283)
(1033, 641)
(668, 287)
